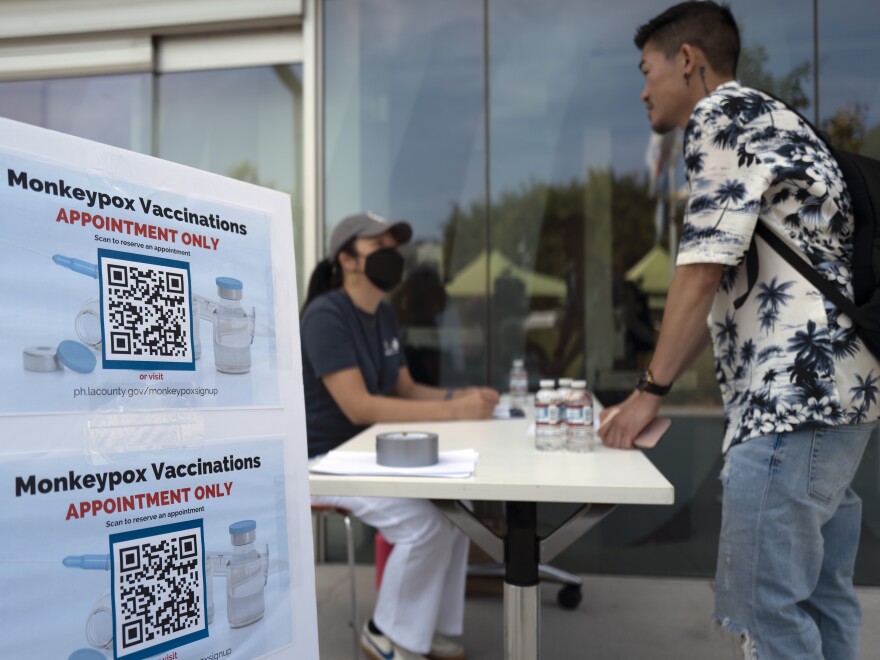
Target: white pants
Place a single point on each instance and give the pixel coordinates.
(423, 584)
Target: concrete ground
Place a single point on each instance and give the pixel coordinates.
(620, 618)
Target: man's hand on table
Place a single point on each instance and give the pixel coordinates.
(621, 424)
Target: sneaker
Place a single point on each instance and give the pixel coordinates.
(443, 648)
(378, 647)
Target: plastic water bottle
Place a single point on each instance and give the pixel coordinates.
(518, 385)
(232, 333)
(548, 436)
(564, 390)
(579, 411)
(245, 578)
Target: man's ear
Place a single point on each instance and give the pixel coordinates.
(688, 56)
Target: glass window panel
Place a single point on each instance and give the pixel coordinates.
(849, 80)
(585, 248)
(571, 196)
(572, 213)
(573, 201)
(849, 104)
(777, 49)
(243, 123)
(114, 110)
(404, 119)
(574, 268)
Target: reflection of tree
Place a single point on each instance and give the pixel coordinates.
(544, 228)
(552, 215)
(632, 211)
(248, 172)
(871, 145)
(848, 130)
(847, 127)
(532, 225)
(526, 224)
(789, 87)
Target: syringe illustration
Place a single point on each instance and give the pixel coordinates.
(99, 623)
(88, 319)
(76, 265)
(88, 562)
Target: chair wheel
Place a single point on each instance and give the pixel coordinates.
(570, 596)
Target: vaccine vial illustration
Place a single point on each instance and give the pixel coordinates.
(99, 624)
(88, 323)
(245, 578)
(232, 329)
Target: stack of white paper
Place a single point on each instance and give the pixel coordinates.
(458, 464)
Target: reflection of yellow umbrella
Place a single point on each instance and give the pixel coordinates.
(653, 272)
(471, 280)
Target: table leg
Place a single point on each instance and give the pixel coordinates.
(522, 622)
(522, 604)
(521, 549)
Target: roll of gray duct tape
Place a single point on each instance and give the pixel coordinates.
(40, 358)
(407, 449)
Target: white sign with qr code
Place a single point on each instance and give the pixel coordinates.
(154, 480)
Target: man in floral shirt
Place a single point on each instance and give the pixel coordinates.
(800, 390)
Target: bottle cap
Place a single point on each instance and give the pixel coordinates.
(518, 362)
(565, 382)
(548, 383)
(76, 356)
(579, 384)
(229, 288)
(243, 531)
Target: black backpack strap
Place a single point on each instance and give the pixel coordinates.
(751, 272)
(840, 301)
(862, 176)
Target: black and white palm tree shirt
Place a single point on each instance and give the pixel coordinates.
(786, 359)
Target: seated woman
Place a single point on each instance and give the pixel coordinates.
(354, 375)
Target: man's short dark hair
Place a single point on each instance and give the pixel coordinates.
(701, 23)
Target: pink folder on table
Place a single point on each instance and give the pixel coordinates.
(652, 433)
(649, 436)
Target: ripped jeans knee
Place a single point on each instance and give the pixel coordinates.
(747, 643)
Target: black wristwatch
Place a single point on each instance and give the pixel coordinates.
(646, 384)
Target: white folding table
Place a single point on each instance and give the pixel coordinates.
(511, 470)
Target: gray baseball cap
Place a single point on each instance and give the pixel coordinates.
(362, 225)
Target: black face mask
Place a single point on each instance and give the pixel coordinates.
(384, 268)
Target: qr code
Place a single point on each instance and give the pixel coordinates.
(146, 312)
(158, 586)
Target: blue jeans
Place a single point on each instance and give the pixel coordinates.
(789, 535)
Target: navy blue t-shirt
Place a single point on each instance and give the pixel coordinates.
(335, 336)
